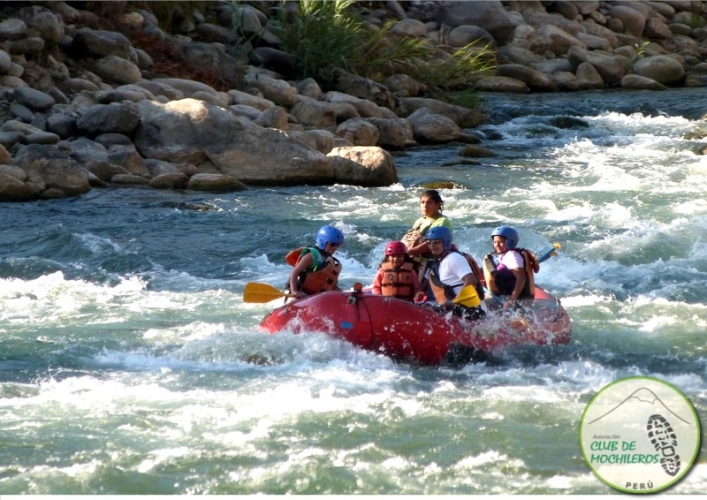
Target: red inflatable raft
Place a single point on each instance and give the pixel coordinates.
(405, 331)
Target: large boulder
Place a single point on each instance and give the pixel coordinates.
(359, 132)
(662, 69)
(116, 117)
(52, 170)
(394, 133)
(98, 43)
(46, 23)
(612, 68)
(633, 21)
(464, 117)
(553, 39)
(363, 88)
(364, 166)
(491, 15)
(192, 131)
(14, 189)
(536, 80)
(431, 128)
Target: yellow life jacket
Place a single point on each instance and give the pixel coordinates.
(321, 278)
(397, 281)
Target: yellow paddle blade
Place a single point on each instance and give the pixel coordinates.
(467, 297)
(260, 293)
(556, 246)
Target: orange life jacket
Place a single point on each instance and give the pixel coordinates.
(397, 281)
(530, 267)
(322, 278)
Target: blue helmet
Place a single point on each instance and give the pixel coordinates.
(509, 233)
(329, 234)
(440, 233)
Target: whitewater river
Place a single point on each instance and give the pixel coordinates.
(129, 363)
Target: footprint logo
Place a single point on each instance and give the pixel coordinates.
(663, 438)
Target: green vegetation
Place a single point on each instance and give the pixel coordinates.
(323, 36)
(640, 49)
(696, 21)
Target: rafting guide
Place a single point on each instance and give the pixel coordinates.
(639, 435)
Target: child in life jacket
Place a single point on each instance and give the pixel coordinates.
(315, 268)
(396, 275)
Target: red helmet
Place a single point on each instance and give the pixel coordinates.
(396, 248)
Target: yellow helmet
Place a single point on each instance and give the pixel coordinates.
(468, 297)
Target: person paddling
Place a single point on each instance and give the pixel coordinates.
(396, 275)
(315, 268)
(450, 276)
(509, 271)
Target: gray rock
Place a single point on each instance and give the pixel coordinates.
(176, 180)
(49, 25)
(128, 158)
(20, 112)
(466, 34)
(12, 29)
(662, 69)
(491, 15)
(536, 80)
(637, 82)
(13, 189)
(129, 179)
(13, 171)
(5, 62)
(41, 137)
(633, 21)
(56, 170)
(394, 133)
(359, 132)
(34, 99)
(611, 68)
(10, 137)
(363, 166)
(109, 139)
(311, 113)
(121, 118)
(30, 47)
(215, 183)
(117, 70)
(588, 77)
(275, 117)
(98, 43)
(464, 117)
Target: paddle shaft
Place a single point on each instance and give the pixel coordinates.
(550, 253)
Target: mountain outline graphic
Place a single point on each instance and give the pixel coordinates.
(644, 395)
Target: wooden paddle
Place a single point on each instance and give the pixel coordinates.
(260, 293)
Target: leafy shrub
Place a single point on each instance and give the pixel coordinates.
(324, 35)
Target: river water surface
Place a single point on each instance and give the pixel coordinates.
(129, 363)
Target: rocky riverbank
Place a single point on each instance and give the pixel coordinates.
(82, 106)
